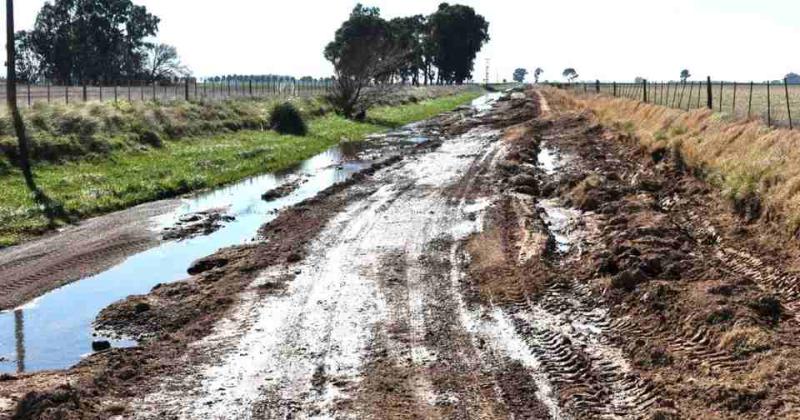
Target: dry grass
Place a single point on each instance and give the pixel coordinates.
(743, 158)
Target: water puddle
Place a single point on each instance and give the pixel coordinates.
(485, 103)
(549, 160)
(55, 331)
(560, 221)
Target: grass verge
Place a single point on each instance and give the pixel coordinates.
(757, 168)
(125, 178)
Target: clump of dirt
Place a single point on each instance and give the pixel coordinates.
(196, 224)
(284, 189)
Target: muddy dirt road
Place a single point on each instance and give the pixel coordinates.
(526, 262)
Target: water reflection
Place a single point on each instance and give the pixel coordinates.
(19, 334)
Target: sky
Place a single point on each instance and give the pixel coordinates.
(606, 40)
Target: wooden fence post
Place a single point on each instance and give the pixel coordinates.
(750, 100)
(721, 85)
(250, 83)
(66, 94)
(733, 106)
(116, 94)
(644, 90)
(597, 86)
(615, 89)
(29, 94)
(186, 89)
(48, 91)
(84, 92)
(691, 90)
(769, 107)
(709, 93)
(788, 107)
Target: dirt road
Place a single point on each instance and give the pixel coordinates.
(526, 263)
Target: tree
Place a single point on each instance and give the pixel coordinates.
(29, 65)
(570, 74)
(792, 78)
(163, 63)
(409, 35)
(638, 80)
(519, 75)
(457, 34)
(363, 51)
(537, 73)
(97, 40)
(685, 75)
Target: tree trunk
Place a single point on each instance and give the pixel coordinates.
(11, 91)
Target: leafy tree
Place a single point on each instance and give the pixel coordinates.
(363, 51)
(409, 35)
(163, 63)
(96, 40)
(570, 74)
(537, 73)
(685, 75)
(29, 65)
(457, 34)
(519, 75)
(638, 80)
(792, 78)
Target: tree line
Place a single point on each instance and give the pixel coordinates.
(95, 41)
(439, 48)
(369, 51)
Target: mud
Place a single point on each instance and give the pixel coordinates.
(523, 262)
(195, 224)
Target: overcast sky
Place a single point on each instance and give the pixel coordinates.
(607, 40)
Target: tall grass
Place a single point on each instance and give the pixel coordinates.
(744, 158)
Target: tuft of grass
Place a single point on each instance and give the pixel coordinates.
(286, 119)
(125, 177)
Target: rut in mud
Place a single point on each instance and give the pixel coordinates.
(525, 262)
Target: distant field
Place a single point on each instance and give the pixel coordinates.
(736, 99)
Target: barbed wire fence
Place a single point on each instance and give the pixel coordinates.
(777, 104)
(164, 91)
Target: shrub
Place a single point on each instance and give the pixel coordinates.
(286, 119)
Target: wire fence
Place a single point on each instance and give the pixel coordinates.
(777, 104)
(190, 90)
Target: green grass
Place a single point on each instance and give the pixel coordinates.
(125, 178)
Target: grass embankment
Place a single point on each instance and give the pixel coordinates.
(130, 169)
(750, 163)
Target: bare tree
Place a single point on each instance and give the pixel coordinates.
(163, 62)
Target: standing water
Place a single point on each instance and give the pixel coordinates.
(55, 330)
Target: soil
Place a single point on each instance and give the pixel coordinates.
(34, 268)
(195, 224)
(527, 262)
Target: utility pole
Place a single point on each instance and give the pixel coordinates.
(487, 73)
(11, 97)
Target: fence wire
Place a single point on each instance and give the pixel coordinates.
(777, 104)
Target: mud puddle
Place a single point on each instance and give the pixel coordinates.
(55, 330)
